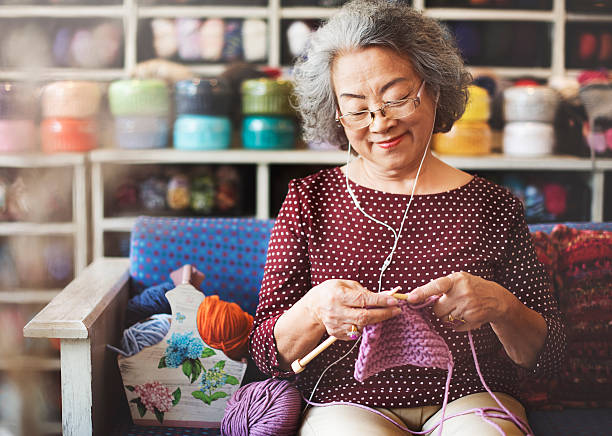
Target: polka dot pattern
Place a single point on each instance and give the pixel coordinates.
(229, 251)
(478, 228)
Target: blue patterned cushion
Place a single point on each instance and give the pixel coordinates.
(231, 252)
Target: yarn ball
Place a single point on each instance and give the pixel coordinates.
(61, 47)
(188, 36)
(232, 47)
(165, 40)
(212, 37)
(597, 76)
(224, 326)
(265, 408)
(178, 195)
(203, 194)
(144, 334)
(149, 302)
(153, 193)
(468, 39)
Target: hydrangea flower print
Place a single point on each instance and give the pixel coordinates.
(182, 347)
(185, 351)
(155, 398)
(213, 379)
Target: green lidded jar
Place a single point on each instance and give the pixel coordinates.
(267, 97)
(139, 97)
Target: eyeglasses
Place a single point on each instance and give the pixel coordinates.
(392, 109)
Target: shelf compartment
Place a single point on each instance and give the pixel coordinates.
(189, 47)
(31, 45)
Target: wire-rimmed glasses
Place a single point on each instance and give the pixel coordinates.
(392, 109)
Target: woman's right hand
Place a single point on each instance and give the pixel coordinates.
(338, 304)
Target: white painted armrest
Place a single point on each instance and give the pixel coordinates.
(73, 312)
(86, 315)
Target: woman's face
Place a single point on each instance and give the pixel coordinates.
(368, 78)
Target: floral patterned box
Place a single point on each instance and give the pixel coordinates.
(180, 381)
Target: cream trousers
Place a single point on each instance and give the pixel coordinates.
(343, 420)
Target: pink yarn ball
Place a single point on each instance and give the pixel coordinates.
(266, 408)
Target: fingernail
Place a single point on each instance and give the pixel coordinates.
(412, 297)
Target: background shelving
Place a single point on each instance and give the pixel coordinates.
(267, 184)
(31, 366)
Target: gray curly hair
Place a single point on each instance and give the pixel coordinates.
(430, 47)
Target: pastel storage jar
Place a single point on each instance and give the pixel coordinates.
(203, 97)
(202, 132)
(464, 139)
(470, 135)
(141, 132)
(17, 135)
(267, 97)
(68, 134)
(530, 103)
(268, 132)
(139, 97)
(71, 99)
(528, 138)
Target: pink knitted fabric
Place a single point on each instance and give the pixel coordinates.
(407, 339)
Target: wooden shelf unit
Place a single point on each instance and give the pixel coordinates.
(263, 160)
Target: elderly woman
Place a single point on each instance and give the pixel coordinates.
(382, 78)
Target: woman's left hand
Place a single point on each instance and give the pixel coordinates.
(466, 301)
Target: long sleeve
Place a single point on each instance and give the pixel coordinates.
(522, 274)
(286, 279)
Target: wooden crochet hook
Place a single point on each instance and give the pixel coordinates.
(298, 365)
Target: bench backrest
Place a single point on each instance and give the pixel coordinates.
(231, 252)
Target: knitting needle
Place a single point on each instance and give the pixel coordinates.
(298, 365)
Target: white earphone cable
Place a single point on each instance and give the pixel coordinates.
(396, 236)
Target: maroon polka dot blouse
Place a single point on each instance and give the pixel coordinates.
(478, 228)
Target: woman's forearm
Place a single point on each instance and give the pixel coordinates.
(522, 332)
(296, 333)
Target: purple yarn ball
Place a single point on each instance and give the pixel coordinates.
(266, 408)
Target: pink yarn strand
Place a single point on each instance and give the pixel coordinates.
(445, 401)
(517, 421)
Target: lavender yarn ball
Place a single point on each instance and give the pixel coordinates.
(266, 408)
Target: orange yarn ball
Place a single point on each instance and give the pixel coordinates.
(224, 326)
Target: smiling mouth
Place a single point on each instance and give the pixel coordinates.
(388, 143)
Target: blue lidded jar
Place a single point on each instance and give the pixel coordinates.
(202, 132)
(140, 132)
(202, 107)
(203, 97)
(268, 132)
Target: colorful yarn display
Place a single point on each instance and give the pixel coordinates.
(224, 326)
(265, 408)
(143, 334)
